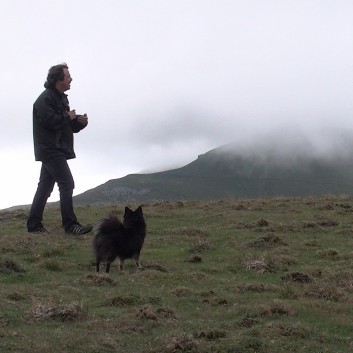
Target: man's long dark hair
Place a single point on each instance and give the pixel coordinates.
(55, 74)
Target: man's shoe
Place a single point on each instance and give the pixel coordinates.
(40, 229)
(77, 229)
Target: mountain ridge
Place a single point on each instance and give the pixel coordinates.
(227, 172)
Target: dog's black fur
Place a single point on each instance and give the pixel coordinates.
(114, 239)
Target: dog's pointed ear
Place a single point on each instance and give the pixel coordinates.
(127, 210)
(139, 210)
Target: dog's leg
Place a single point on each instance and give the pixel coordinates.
(107, 268)
(97, 266)
(136, 257)
(121, 264)
(138, 264)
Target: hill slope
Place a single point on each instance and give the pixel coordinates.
(224, 172)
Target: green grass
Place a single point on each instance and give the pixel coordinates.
(262, 275)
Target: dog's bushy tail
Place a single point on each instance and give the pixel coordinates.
(108, 224)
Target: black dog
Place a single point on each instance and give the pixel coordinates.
(114, 239)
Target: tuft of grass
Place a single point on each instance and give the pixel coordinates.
(267, 241)
(130, 300)
(48, 310)
(211, 334)
(326, 292)
(48, 253)
(10, 266)
(194, 259)
(52, 265)
(277, 308)
(97, 280)
(344, 279)
(182, 292)
(183, 343)
(288, 292)
(297, 277)
(329, 253)
(16, 296)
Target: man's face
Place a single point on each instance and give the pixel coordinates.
(64, 85)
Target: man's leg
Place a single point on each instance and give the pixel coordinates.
(44, 189)
(60, 172)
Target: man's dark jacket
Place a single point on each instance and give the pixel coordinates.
(52, 127)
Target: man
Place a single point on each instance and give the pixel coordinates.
(53, 127)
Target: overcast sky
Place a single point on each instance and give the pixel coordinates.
(163, 81)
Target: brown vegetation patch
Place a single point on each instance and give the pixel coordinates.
(131, 300)
(155, 267)
(255, 287)
(239, 207)
(48, 310)
(287, 260)
(313, 243)
(182, 292)
(328, 223)
(183, 343)
(284, 228)
(326, 292)
(276, 308)
(344, 280)
(168, 204)
(97, 280)
(261, 265)
(268, 240)
(200, 244)
(122, 301)
(211, 335)
(10, 266)
(310, 225)
(345, 206)
(151, 275)
(3, 322)
(216, 301)
(346, 231)
(166, 313)
(331, 253)
(242, 225)
(12, 215)
(16, 296)
(297, 277)
(288, 330)
(189, 231)
(146, 313)
(262, 223)
(248, 321)
(132, 328)
(194, 259)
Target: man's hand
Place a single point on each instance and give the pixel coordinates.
(72, 114)
(82, 119)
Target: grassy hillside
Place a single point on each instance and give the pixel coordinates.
(251, 275)
(221, 174)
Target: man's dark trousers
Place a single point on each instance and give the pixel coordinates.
(54, 170)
